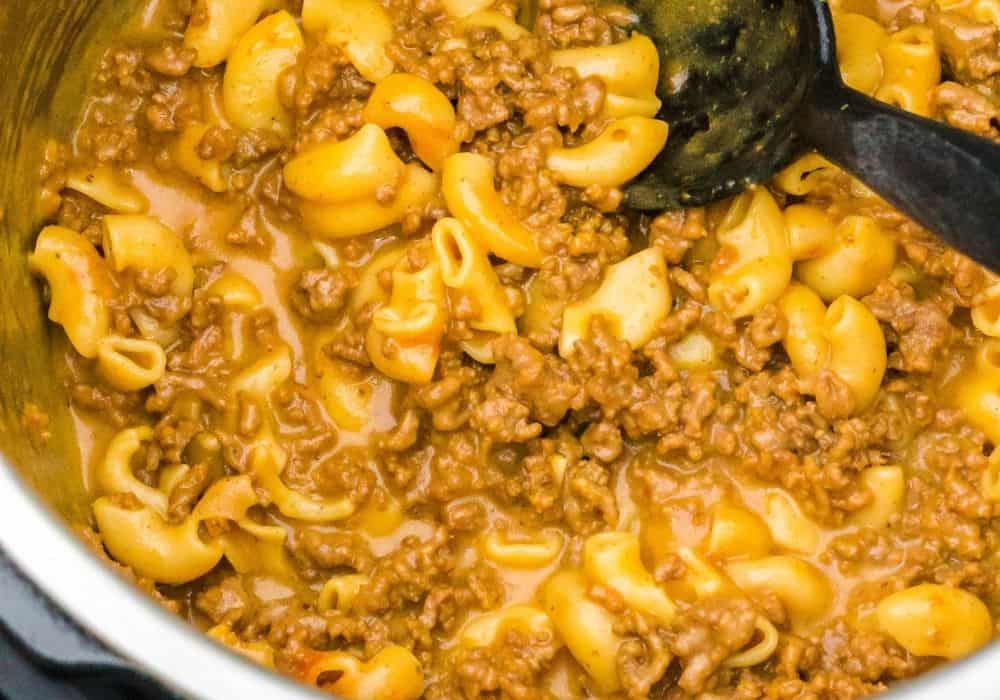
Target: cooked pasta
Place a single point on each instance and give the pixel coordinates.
(381, 383)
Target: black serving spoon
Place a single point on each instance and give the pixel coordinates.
(747, 85)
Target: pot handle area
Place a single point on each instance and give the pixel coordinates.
(43, 654)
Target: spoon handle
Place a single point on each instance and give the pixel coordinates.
(945, 179)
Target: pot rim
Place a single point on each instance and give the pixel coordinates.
(121, 616)
(132, 625)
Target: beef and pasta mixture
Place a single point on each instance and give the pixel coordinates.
(378, 381)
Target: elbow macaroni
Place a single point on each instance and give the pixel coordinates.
(103, 185)
(239, 298)
(789, 527)
(404, 339)
(486, 630)
(144, 541)
(265, 375)
(810, 231)
(338, 172)
(466, 270)
(503, 25)
(467, 183)
(612, 560)
(702, 579)
(416, 106)
(630, 71)
(348, 393)
(392, 674)
(620, 152)
(759, 652)
(912, 69)
(184, 151)
(114, 473)
(887, 486)
(339, 592)
(130, 364)
(168, 553)
(80, 285)
(586, 627)
(977, 391)
(142, 243)
(802, 588)
(695, 352)
(523, 552)
(858, 256)
(250, 85)
(935, 620)
(224, 22)
(352, 395)
(634, 297)
(737, 532)
(235, 291)
(844, 338)
(369, 292)
(754, 265)
(367, 214)
(860, 41)
(266, 465)
(361, 28)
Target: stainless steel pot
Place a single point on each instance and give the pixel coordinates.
(42, 42)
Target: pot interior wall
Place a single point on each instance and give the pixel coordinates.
(46, 50)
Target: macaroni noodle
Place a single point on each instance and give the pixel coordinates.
(352, 169)
(630, 71)
(612, 560)
(912, 69)
(633, 297)
(250, 86)
(184, 151)
(523, 552)
(737, 532)
(142, 243)
(80, 285)
(856, 258)
(802, 588)
(130, 364)
(845, 339)
(488, 629)
(361, 28)
(754, 265)
(467, 183)
(615, 156)
(935, 620)
(368, 214)
(586, 627)
(221, 25)
(466, 271)
(392, 674)
(416, 106)
(106, 187)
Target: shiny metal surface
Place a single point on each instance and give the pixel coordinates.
(41, 42)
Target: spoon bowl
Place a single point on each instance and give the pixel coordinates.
(733, 75)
